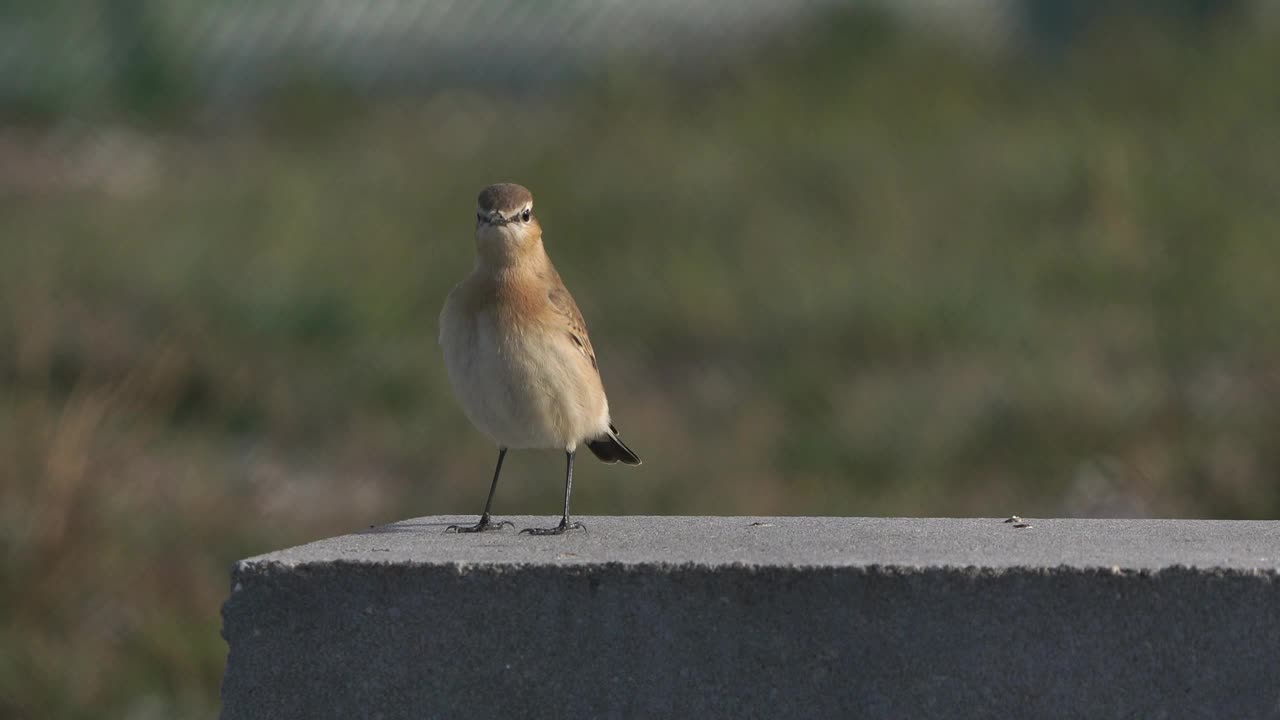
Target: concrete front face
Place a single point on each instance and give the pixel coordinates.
(384, 625)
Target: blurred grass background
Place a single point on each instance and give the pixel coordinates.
(835, 261)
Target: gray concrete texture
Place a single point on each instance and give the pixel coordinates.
(734, 617)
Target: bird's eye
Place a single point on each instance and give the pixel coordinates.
(524, 216)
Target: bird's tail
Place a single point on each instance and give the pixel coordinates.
(611, 450)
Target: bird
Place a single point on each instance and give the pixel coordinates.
(517, 352)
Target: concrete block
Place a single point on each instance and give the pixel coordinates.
(731, 617)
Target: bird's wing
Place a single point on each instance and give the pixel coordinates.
(568, 311)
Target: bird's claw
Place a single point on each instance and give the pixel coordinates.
(484, 525)
(560, 529)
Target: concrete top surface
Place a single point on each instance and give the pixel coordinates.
(810, 542)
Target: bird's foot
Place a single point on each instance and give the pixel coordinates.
(564, 527)
(482, 526)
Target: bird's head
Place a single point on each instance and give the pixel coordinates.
(506, 229)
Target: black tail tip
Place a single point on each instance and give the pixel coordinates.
(611, 450)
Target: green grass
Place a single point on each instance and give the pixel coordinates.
(895, 279)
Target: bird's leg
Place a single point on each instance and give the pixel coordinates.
(485, 523)
(564, 525)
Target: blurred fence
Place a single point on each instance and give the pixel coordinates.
(147, 56)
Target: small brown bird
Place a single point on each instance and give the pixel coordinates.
(517, 351)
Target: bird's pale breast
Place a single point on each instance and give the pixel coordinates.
(516, 374)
